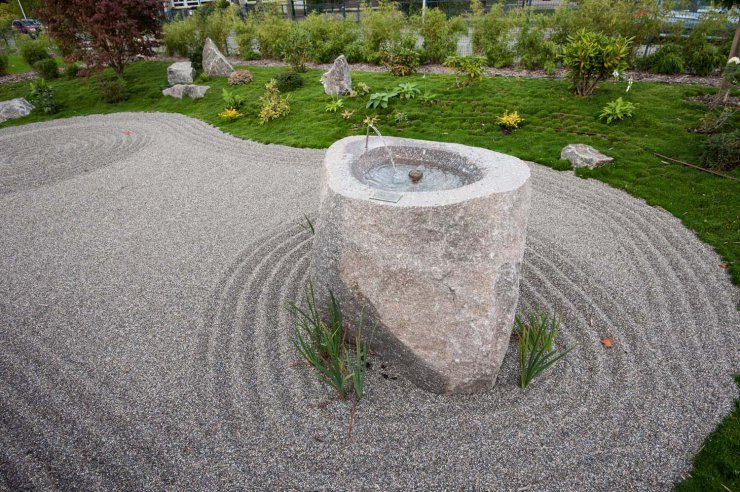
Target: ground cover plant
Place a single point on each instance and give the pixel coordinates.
(555, 117)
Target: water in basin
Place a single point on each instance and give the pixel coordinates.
(396, 178)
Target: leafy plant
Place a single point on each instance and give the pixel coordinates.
(362, 88)
(491, 34)
(470, 66)
(537, 352)
(232, 100)
(42, 97)
(113, 90)
(230, 114)
(591, 57)
(289, 81)
(294, 47)
(195, 55)
(721, 151)
(535, 48)
(509, 121)
(71, 70)
(399, 60)
(273, 104)
(399, 117)
(322, 345)
(330, 37)
(438, 33)
(617, 110)
(334, 106)
(346, 114)
(379, 100)
(381, 26)
(428, 97)
(47, 68)
(33, 52)
(370, 121)
(407, 90)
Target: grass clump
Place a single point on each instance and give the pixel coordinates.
(537, 350)
(323, 346)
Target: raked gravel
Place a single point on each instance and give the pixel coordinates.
(145, 260)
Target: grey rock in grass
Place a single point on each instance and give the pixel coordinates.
(180, 73)
(14, 108)
(434, 275)
(582, 155)
(214, 62)
(337, 81)
(186, 90)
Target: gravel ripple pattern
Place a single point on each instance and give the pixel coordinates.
(145, 344)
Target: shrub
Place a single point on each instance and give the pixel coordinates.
(181, 37)
(323, 346)
(113, 90)
(294, 47)
(439, 34)
(703, 59)
(230, 114)
(273, 104)
(533, 46)
(270, 29)
(617, 110)
(195, 55)
(218, 25)
(33, 52)
(240, 77)
(246, 32)
(71, 71)
(331, 37)
(509, 121)
(407, 91)
(381, 27)
(470, 66)
(591, 57)
(47, 68)
(667, 59)
(232, 100)
(42, 97)
(399, 60)
(721, 151)
(3, 64)
(380, 100)
(537, 349)
(491, 35)
(289, 81)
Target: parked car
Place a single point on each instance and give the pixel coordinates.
(32, 27)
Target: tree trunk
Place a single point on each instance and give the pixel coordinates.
(724, 90)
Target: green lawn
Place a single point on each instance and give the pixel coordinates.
(16, 64)
(707, 204)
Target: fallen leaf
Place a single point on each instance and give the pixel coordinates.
(723, 266)
(607, 342)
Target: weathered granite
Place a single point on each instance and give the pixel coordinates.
(214, 62)
(435, 276)
(180, 73)
(337, 81)
(186, 90)
(14, 108)
(582, 155)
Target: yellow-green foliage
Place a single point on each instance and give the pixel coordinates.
(230, 114)
(330, 36)
(181, 36)
(440, 35)
(270, 29)
(381, 26)
(510, 121)
(491, 34)
(273, 104)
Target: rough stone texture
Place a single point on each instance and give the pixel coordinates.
(337, 81)
(14, 108)
(582, 155)
(436, 273)
(186, 90)
(214, 62)
(180, 73)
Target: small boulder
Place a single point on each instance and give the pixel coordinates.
(186, 90)
(239, 77)
(214, 63)
(180, 73)
(337, 81)
(14, 108)
(582, 155)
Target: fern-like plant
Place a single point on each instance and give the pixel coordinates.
(334, 106)
(617, 110)
(537, 350)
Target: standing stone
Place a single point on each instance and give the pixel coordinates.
(186, 90)
(14, 108)
(582, 155)
(214, 63)
(180, 73)
(337, 81)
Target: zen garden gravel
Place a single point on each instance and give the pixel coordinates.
(146, 261)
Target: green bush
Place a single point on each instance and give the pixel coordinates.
(381, 28)
(534, 48)
(617, 110)
(331, 37)
(71, 71)
(33, 51)
(232, 100)
(439, 34)
(667, 59)
(273, 104)
(195, 55)
(181, 37)
(246, 32)
(218, 25)
(47, 68)
(42, 97)
(113, 90)
(294, 47)
(591, 57)
(3, 64)
(270, 30)
(703, 59)
(470, 66)
(400, 60)
(491, 35)
(721, 151)
(289, 81)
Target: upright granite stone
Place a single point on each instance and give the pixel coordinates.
(434, 275)
(186, 90)
(214, 63)
(14, 108)
(337, 81)
(582, 155)
(180, 73)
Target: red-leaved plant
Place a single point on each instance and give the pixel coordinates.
(104, 32)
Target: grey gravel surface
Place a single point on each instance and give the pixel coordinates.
(144, 263)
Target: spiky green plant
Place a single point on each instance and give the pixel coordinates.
(537, 352)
